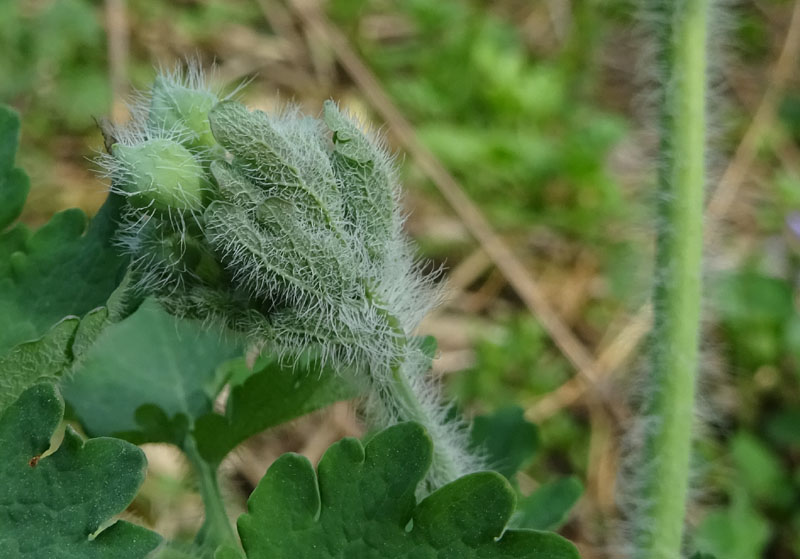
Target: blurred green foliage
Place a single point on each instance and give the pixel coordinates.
(515, 363)
(519, 364)
(55, 52)
(509, 126)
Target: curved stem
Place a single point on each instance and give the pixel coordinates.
(669, 410)
(217, 529)
(445, 464)
(399, 396)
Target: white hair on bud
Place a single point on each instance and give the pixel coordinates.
(300, 245)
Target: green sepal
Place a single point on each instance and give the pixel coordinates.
(183, 111)
(161, 173)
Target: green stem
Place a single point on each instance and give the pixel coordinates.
(399, 397)
(216, 529)
(669, 411)
(444, 465)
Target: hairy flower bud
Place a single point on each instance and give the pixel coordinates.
(160, 173)
(363, 165)
(289, 230)
(182, 110)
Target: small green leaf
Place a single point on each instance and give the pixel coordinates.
(760, 470)
(363, 505)
(274, 394)
(548, 507)
(54, 505)
(738, 531)
(62, 269)
(507, 438)
(144, 372)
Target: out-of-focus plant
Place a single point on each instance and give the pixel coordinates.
(509, 125)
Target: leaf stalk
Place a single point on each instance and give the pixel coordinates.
(217, 529)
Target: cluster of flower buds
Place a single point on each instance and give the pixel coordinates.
(282, 226)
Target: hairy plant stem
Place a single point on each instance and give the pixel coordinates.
(444, 465)
(216, 529)
(398, 396)
(669, 408)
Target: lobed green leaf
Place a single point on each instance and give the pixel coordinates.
(41, 359)
(506, 438)
(62, 269)
(149, 376)
(363, 504)
(59, 505)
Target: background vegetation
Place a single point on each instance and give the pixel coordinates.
(540, 111)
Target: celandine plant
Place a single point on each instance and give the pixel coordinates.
(288, 229)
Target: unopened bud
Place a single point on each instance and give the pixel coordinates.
(183, 110)
(161, 173)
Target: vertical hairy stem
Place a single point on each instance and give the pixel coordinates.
(216, 529)
(658, 526)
